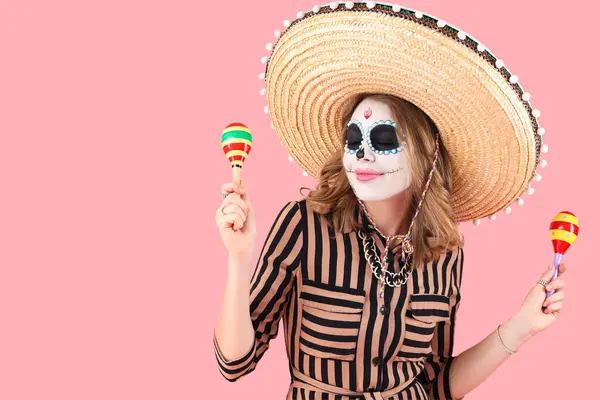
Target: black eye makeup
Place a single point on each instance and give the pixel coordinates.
(354, 136)
(381, 137)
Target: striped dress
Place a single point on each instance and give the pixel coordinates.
(344, 341)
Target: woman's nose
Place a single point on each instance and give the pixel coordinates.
(360, 153)
(364, 153)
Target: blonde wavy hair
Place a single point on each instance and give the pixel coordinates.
(435, 230)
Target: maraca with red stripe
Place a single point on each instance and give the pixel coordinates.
(564, 229)
(236, 142)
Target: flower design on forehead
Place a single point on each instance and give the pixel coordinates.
(368, 113)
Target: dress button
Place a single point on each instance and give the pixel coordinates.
(376, 361)
(384, 310)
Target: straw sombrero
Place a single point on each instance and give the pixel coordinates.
(330, 55)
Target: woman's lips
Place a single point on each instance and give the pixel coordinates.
(365, 175)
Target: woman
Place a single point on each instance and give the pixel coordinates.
(366, 270)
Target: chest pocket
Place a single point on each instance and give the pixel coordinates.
(423, 313)
(331, 317)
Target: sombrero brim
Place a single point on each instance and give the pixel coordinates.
(327, 58)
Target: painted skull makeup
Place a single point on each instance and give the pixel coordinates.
(380, 137)
(375, 161)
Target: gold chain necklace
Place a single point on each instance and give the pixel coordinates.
(390, 279)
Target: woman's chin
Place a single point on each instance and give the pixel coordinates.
(373, 191)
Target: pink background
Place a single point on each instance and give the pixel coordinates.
(112, 269)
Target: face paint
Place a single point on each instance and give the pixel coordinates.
(375, 161)
(380, 136)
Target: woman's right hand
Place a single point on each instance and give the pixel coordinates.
(235, 220)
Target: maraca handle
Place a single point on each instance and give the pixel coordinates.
(554, 276)
(237, 174)
(557, 260)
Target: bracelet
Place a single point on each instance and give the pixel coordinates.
(502, 343)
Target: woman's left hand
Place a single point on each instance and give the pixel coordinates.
(539, 311)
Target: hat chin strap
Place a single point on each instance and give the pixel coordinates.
(436, 154)
(405, 240)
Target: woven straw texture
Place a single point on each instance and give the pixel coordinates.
(322, 63)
